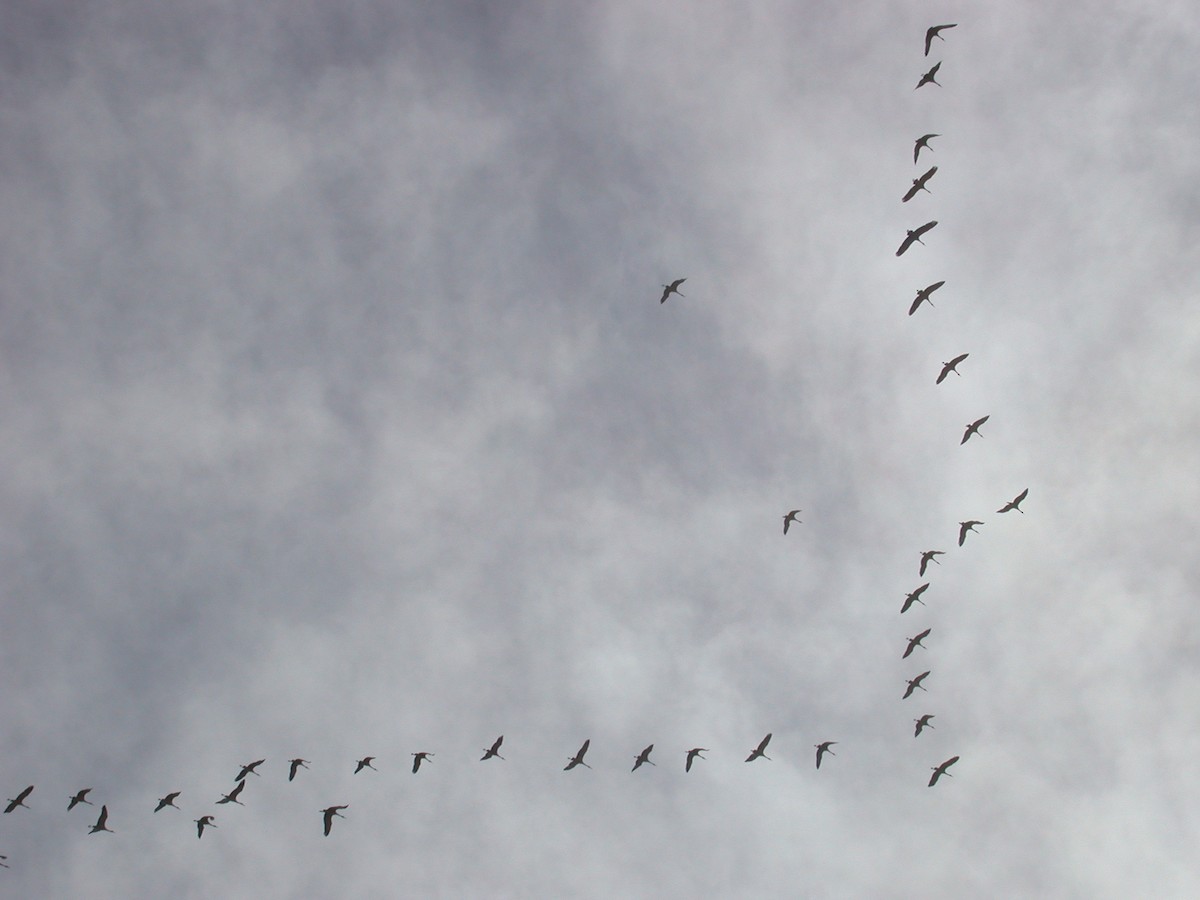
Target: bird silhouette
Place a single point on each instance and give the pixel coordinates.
(577, 759)
(914, 234)
(493, 750)
(101, 822)
(1015, 503)
(365, 763)
(232, 796)
(758, 751)
(418, 758)
(923, 296)
(248, 769)
(964, 527)
(4, 864)
(202, 823)
(922, 724)
(295, 765)
(914, 642)
(168, 800)
(691, 755)
(922, 143)
(790, 518)
(952, 366)
(973, 428)
(927, 557)
(934, 32)
(80, 797)
(672, 288)
(914, 597)
(643, 757)
(939, 771)
(822, 749)
(913, 684)
(19, 800)
(928, 77)
(918, 185)
(329, 812)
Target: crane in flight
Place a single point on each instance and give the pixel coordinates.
(577, 759)
(19, 800)
(952, 366)
(973, 428)
(101, 822)
(493, 750)
(929, 77)
(914, 234)
(922, 724)
(922, 143)
(927, 557)
(418, 758)
(914, 597)
(202, 823)
(672, 288)
(915, 642)
(934, 31)
(964, 527)
(1015, 503)
(923, 296)
(758, 751)
(232, 796)
(691, 755)
(329, 812)
(80, 797)
(4, 864)
(295, 765)
(364, 763)
(913, 684)
(168, 800)
(918, 185)
(643, 757)
(939, 771)
(790, 518)
(249, 769)
(822, 749)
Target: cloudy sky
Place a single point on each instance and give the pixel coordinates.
(341, 418)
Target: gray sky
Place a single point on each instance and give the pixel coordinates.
(341, 417)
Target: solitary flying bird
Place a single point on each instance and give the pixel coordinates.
(928, 557)
(914, 597)
(923, 296)
(964, 527)
(758, 751)
(952, 366)
(248, 769)
(577, 759)
(494, 750)
(692, 754)
(922, 724)
(914, 234)
(789, 519)
(19, 800)
(201, 823)
(914, 642)
(80, 797)
(4, 864)
(928, 77)
(939, 771)
(295, 765)
(232, 796)
(418, 757)
(973, 428)
(923, 142)
(672, 288)
(919, 185)
(933, 32)
(1015, 503)
(329, 812)
(822, 749)
(168, 800)
(102, 822)
(643, 757)
(365, 763)
(913, 684)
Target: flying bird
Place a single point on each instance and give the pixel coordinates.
(928, 77)
(248, 769)
(418, 758)
(939, 771)
(913, 684)
(952, 366)
(102, 822)
(758, 751)
(923, 143)
(934, 32)
(168, 800)
(918, 185)
(201, 823)
(643, 757)
(692, 754)
(973, 428)
(296, 765)
(790, 518)
(914, 234)
(329, 812)
(494, 750)
(923, 296)
(672, 288)
(19, 800)
(232, 796)
(364, 763)
(80, 797)
(927, 557)
(914, 642)
(914, 597)
(577, 759)
(822, 749)
(4, 864)
(964, 527)
(922, 724)
(1015, 503)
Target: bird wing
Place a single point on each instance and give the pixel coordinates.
(924, 634)
(328, 820)
(675, 284)
(924, 178)
(924, 228)
(946, 367)
(25, 793)
(929, 33)
(912, 192)
(416, 762)
(666, 293)
(1021, 496)
(905, 244)
(103, 820)
(979, 422)
(496, 745)
(954, 362)
(584, 749)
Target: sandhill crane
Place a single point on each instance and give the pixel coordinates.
(913, 684)
(915, 642)
(672, 288)
(933, 32)
(914, 234)
(1015, 503)
(101, 822)
(928, 77)
(202, 823)
(80, 797)
(922, 143)
(329, 812)
(643, 757)
(168, 800)
(493, 750)
(973, 428)
(922, 724)
(691, 755)
(790, 518)
(418, 758)
(4, 864)
(248, 769)
(918, 185)
(19, 800)
(964, 527)
(952, 366)
(923, 296)
(232, 796)
(295, 765)
(758, 751)
(822, 749)
(939, 771)
(365, 763)
(914, 597)
(577, 759)
(927, 557)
